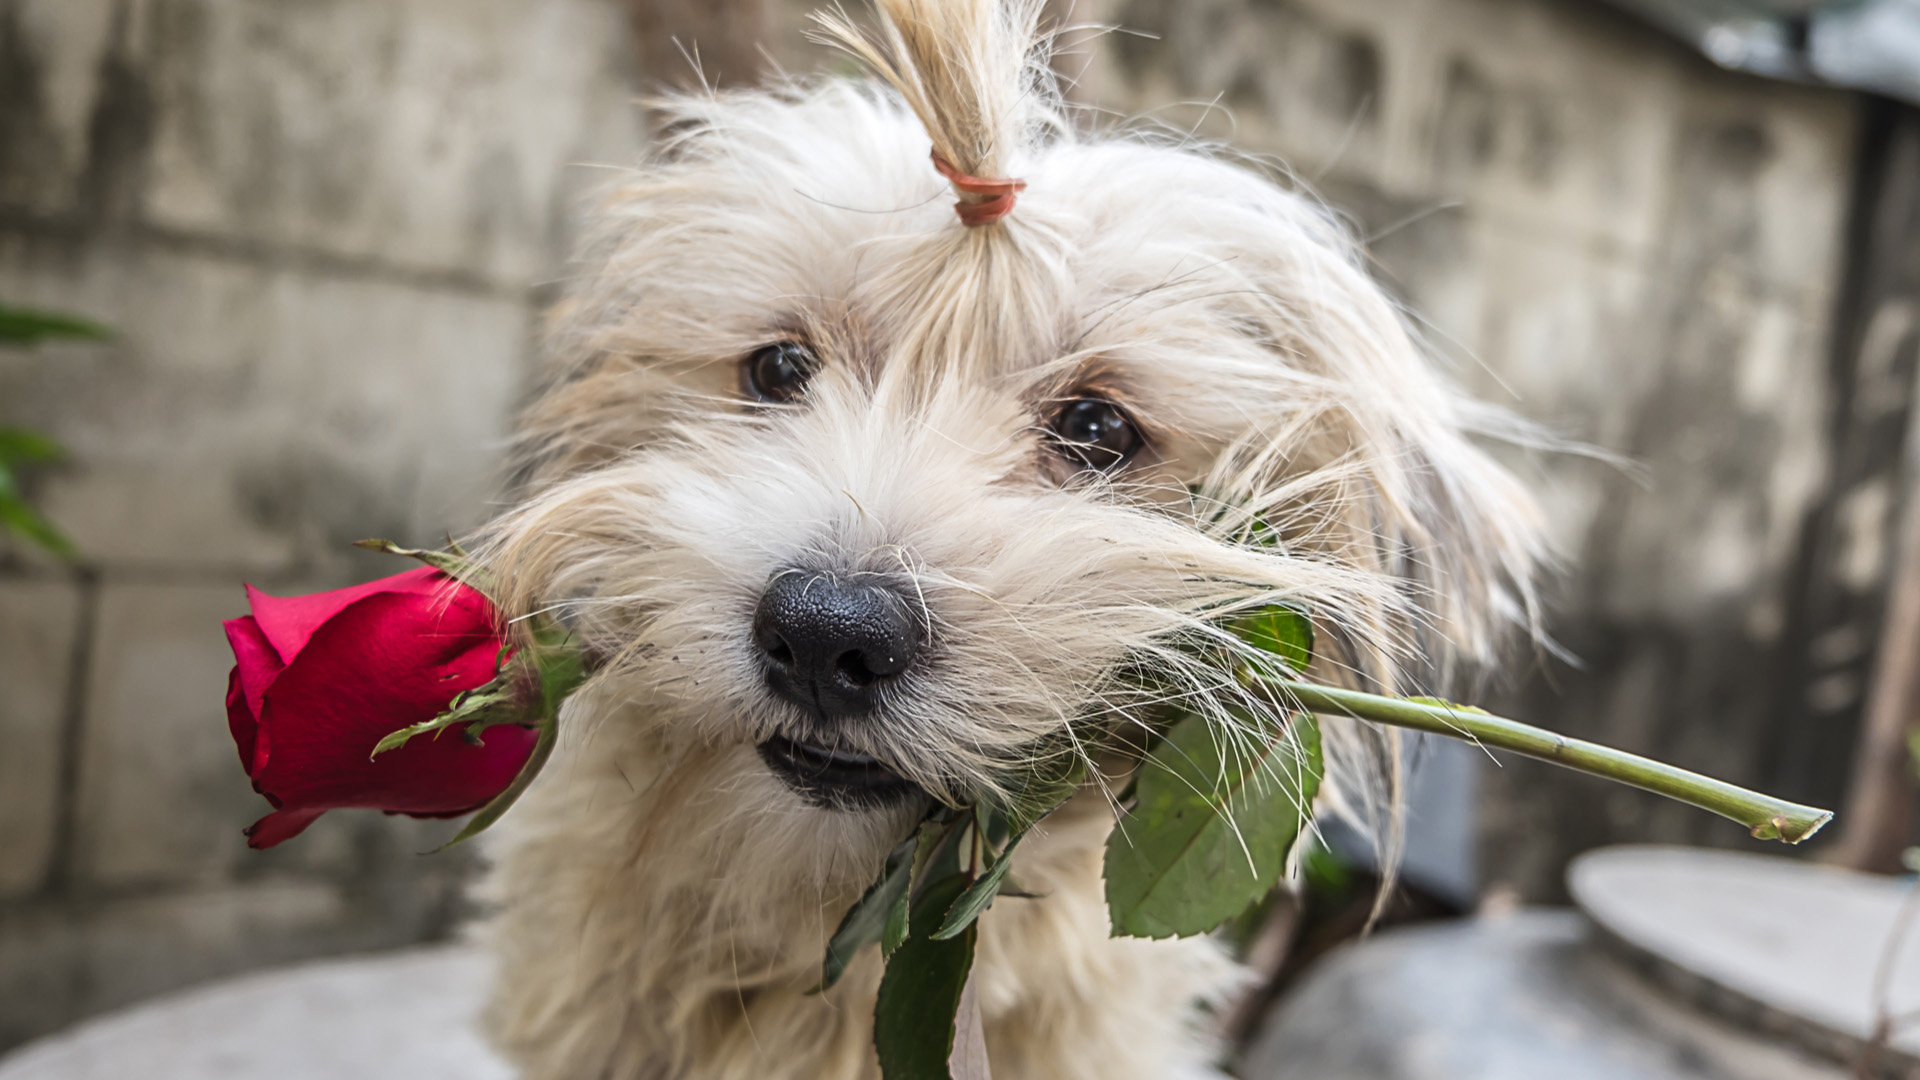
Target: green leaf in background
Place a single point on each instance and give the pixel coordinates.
(25, 326)
(17, 517)
(872, 918)
(1211, 827)
(913, 1020)
(1284, 631)
(21, 327)
(19, 444)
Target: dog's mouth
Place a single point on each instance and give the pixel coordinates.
(835, 779)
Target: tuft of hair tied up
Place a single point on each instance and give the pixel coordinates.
(976, 73)
(997, 195)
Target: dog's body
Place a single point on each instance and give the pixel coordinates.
(1160, 389)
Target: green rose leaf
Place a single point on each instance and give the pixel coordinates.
(913, 1020)
(928, 842)
(979, 896)
(895, 931)
(1285, 632)
(1210, 829)
(873, 917)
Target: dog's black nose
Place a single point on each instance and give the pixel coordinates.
(831, 644)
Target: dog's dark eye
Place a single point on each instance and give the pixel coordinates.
(1095, 432)
(777, 372)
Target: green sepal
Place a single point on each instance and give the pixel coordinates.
(490, 813)
(559, 663)
(495, 702)
(455, 564)
(1281, 630)
(871, 918)
(1210, 830)
(913, 1018)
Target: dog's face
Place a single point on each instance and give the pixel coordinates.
(890, 504)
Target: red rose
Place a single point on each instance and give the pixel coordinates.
(319, 680)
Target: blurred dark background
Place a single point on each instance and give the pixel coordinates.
(321, 232)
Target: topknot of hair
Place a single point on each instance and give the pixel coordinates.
(976, 73)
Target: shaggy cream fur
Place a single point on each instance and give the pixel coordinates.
(663, 898)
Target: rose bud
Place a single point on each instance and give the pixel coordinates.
(320, 681)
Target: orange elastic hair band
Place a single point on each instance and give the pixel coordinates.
(987, 211)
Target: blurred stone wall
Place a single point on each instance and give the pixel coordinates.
(1607, 234)
(322, 229)
(319, 230)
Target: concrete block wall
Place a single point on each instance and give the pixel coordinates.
(321, 232)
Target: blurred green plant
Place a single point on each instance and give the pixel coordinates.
(22, 328)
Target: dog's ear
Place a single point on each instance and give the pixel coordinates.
(975, 72)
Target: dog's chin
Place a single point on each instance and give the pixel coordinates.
(836, 779)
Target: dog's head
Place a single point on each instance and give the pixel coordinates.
(825, 472)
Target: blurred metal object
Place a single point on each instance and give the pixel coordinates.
(1871, 45)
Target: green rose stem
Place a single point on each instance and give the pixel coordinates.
(1766, 817)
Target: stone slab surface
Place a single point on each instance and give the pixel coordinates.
(401, 1016)
(1782, 935)
(1524, 997)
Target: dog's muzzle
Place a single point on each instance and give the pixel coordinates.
(833, 647)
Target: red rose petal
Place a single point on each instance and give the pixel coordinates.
(240, 720)
(255, 658)
(279, 826)
(289, 621)
(255, 666)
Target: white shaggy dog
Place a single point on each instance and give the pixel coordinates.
(858, 500)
